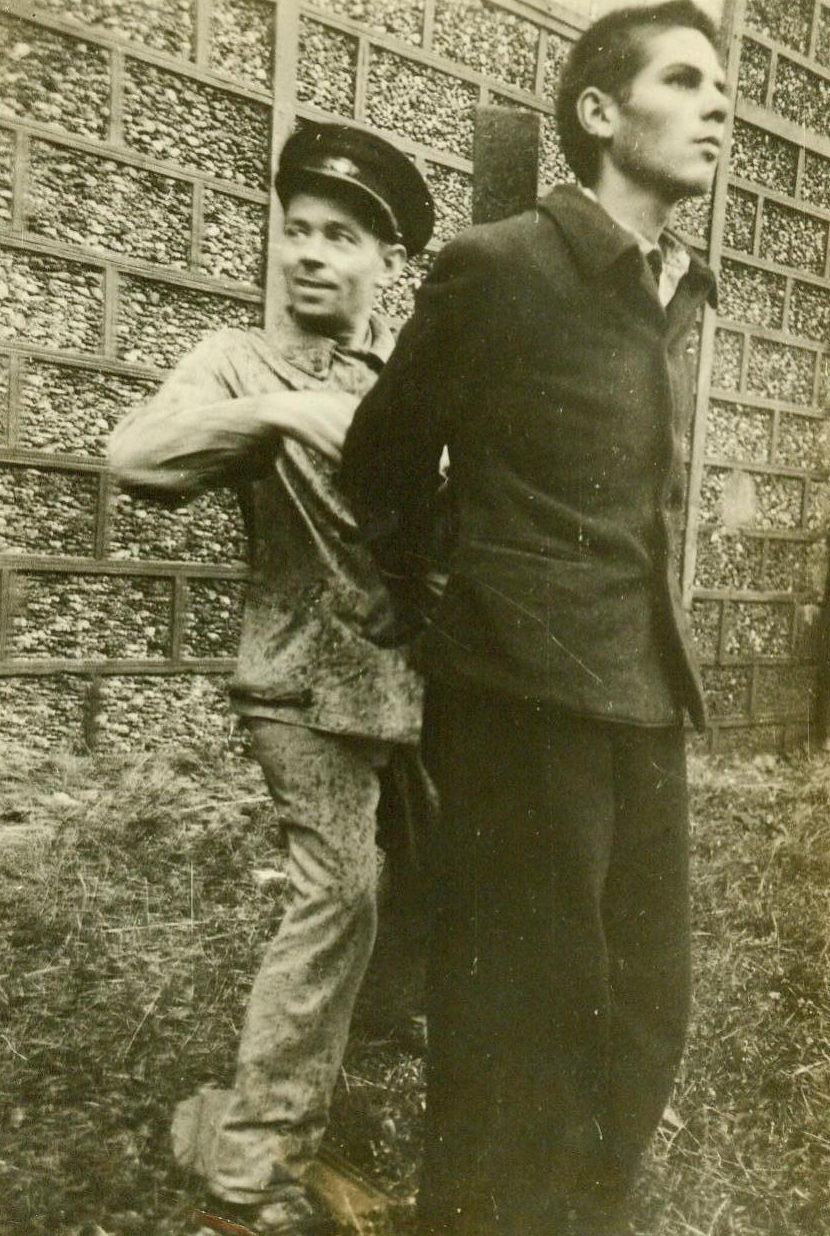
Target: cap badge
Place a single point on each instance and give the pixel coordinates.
(339, 166)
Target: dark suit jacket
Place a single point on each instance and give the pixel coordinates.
(541, 355)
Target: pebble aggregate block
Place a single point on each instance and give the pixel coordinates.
(50, 303)
(488, 40)
(53, 79)
(728, 561)
(810, 311)
(47, 712)
(746, 294)
(6, 172)
(101, 204)
(726, 361)
(804, 442)
(398, 301)
(151, 709)
(796, 566)
(453, 193)
(47, 512)
(73, 411)
(233, 239)
(165, 25)
(207, 531)
(727, 690)
(763, 158)
(739, 224)
(802, 96)
(823, 38)
(738, 432)
(90, 617)
(779, 371)
(214, 615)
(758, 629)
(421, 104)
(327, 68)
(754, 70)
(175, 119)
(158, 323)
(706, 620)
(5, 374)
(793, 238)
(241, 39)
(779, 499)
(402, 18)
(786, 21)
(815, 183)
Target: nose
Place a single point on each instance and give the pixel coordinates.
(309, 249)
(716, 105)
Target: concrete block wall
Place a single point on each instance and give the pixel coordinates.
(137, 141)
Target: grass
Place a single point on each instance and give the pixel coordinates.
(137, 894)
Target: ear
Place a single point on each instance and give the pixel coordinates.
(394, 260)
(595, 111)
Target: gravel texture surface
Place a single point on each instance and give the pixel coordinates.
(747, 294)
(786, 21)
(90, 617)
(488, 40)
(50, 303)
(327, 69)
(754, 70)
(727, 690)
(802, 96)
(233, 238)
(728, 560)
(764, 158)
(101, 204)
(208, 531)
(779, 371)
(7, 144)
(803, 442)
(158, 323)
(739, 224)
(196, 126)
(5, 398)
(402, 18)
(809, 311)
(241, 38)
(421, 104)
(453, 193)
(399, 300)
(72, 411)
(739, 432)
(815, 183)
(214, 614)
(47, 512)
(796, 566)
(706, 623)
(53, 79)
(44, 712)
(558, 48)
(793, 238)
(182, 708)
(726, 361)
(165, 25)
(758, 630)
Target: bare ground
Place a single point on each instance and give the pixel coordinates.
(136, 895)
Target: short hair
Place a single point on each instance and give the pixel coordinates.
(609, 55)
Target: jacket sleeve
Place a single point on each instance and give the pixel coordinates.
(201, 431)
(390, 470)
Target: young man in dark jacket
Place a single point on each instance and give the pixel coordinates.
(265, 412)
(548, 352)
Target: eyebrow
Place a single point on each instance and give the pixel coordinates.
(689, 66)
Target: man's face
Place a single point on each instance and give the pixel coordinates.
(332, 265)
(668, 129)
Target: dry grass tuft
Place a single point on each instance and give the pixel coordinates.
(134, 921)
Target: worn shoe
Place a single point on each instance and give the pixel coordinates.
(296, 1215)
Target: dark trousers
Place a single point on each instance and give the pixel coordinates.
(558, 991)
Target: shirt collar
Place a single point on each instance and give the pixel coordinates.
(315, 354)
(598, 241)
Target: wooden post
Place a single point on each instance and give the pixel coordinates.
(506, 147)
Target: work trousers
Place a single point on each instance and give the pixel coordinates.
(250, 1143)
(558, 985)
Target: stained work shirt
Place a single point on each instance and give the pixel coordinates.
(314, 589)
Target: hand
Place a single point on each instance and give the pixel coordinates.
(319, 419)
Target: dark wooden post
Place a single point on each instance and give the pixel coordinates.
(506, 147)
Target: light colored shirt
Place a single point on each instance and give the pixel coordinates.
(314, 589)
(674, 257)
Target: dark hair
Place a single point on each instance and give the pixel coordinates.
(609, 55)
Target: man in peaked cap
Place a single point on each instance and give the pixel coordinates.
(326, 708)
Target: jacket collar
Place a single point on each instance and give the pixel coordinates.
(314, 355)
(598, 242)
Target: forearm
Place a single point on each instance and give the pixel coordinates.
(181, 446)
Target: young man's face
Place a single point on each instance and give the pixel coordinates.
(668, 130)
(332, 265)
